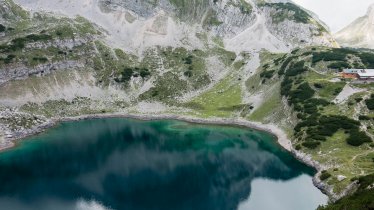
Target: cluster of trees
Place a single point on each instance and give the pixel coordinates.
(340, 55)
(8, 59)
(328, 56)
(339, 65)
(314, 127)
(129, 72)
(364, 117)
(370, 102)
(279, 60)
(267, 74)
(324, 175)
(19, 43)
(357, 138)
(2, 28)
(284, 65)
(318, 128)
(40, 59)
(296, 69)
(188, 61)
(367, 59)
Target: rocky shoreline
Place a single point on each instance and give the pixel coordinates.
(281, 136)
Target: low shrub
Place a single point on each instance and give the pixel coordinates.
(364, 117)
(370, 103)
(2, 28)
(311, 144)
(358, 138)
(267, 74)
(324, 175)
(339, 65)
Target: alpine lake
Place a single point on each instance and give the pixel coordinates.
(127, 164)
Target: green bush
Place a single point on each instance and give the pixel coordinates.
(40, 59)
(296, 69)
(324, 175)
(2, 28)
(359, 99)
(267, 74)
(295, 51)
(188, 60)
(370, 103)
(188, 73)
(367, 59)
(332, 55)
(144, 72)
(337, 91)
(285, 64)
(311, 144)
(318, 85)
(17, 44)
(9, 59)
(363, 117)
(303, 92)
(357, 138)
(339, 65)
(38, 37)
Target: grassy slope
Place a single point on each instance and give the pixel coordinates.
(334, 152)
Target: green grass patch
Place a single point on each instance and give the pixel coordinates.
(224, 95)
(270, 104)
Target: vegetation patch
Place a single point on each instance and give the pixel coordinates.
(324, 175)
(221, 99)
(362, 199)
(2, 28)
(370, 102)
(245, 7)
(314, 126)
(288, 11)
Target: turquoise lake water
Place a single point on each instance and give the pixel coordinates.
(154, 165)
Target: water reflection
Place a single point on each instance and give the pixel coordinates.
(133, 165)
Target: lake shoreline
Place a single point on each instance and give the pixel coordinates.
(279, 134)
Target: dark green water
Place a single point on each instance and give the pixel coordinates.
(136, 165)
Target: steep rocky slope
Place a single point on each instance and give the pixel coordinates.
(360, 33)
(135, 25)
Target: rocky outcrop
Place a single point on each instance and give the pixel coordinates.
(60, 43)
(296, 33)
(20, 71)
(10, 11)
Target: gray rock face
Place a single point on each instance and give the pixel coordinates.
(226, 18)
(137, 25)
(20, 71)
(60, 43)
(295, 33)
(144, 8)
(222, 17)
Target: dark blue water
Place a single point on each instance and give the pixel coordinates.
(136, 165)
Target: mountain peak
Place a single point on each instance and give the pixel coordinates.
(370, 13)
(360, 33)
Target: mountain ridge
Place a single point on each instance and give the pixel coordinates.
(360, 33)
(125, 20)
